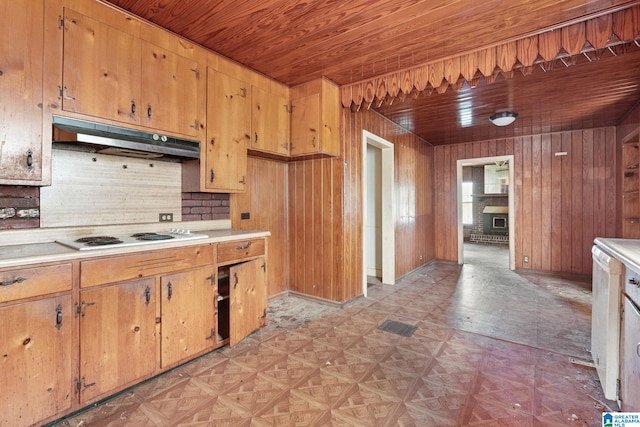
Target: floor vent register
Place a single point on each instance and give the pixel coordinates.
(398, 328)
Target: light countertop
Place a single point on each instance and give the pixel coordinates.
(626, 250)
(47, 250)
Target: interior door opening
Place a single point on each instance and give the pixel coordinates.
(485, 209)
(378, 210)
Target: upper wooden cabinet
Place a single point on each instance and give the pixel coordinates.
(21, 91)
(101, 72)
(240, 116)
(171, 90)
(270, 122)
(315, 119)
(109, 72)
(228, 133)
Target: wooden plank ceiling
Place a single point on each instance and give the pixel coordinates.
(295, 41)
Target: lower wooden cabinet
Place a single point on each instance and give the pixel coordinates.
(247, 299)
(188, 315)
(117, 320)
(36, 348)
(117, 336)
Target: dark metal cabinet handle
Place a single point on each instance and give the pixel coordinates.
(235, 276)
(212, 278)
(58, 317)
(169, 291)
(149, 111)
(256, 134)
(82, 306)
(634, 281)
(66, 94)
(147, 295)
(10, 282)
(29, 159)
(133, 108)
(213, 175)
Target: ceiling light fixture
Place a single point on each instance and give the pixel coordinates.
(504, 118)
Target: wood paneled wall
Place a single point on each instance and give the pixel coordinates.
(325, 214)
(317, 238)
(266, 202)
(413, 167)
(561, 202)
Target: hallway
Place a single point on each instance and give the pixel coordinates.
(490, 347)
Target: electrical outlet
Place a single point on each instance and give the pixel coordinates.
(165, 217)
(526, 259)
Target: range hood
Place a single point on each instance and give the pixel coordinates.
(80, 135)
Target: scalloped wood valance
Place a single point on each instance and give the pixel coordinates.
(614, 32)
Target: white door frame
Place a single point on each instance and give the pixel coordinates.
(388, 209)
(512, 223)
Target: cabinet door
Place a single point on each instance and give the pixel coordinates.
(188, 314)
(269, 122)
(36, 374)
(228, 129)
(248, 299)
(117, 336)
(305, 125)
(21, 52)
(101, 70)
(630, 370)
(170, 91)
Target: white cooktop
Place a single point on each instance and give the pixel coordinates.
(85, 243)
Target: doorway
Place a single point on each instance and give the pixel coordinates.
(378, 209)
(505, 162)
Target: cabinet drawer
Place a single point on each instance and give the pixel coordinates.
(135, 266)
(34, 281)
(231, 251)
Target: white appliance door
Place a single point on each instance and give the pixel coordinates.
(608, 274)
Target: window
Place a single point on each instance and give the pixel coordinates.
(467, 203)
(496, 179)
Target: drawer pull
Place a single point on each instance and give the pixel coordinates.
(12, 281)
(244, 247)
(169, 291)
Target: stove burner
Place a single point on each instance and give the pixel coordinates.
(151, 236)
(99, 240)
